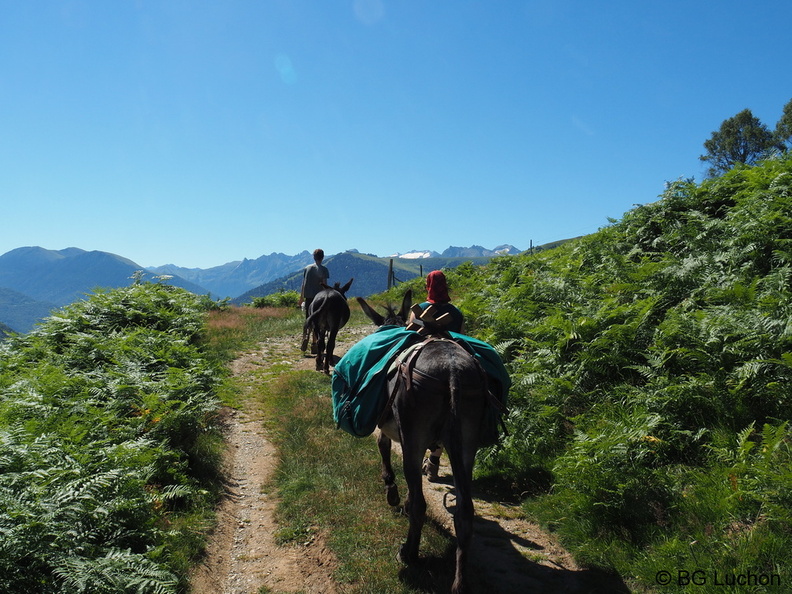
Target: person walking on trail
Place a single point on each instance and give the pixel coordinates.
(437, 295)
(314, 276)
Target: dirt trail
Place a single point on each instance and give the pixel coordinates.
(242, 556)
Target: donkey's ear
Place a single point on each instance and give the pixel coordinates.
(372, 315)
(345, 288)
(406, 304)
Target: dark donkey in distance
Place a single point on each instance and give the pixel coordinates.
(329, 312)
(439, 394)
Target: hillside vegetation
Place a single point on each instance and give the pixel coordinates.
(108, 445)
(652, 364)
(648, 423)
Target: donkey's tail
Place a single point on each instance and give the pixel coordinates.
(455, 384)
(458, 377)
(310, 319)
(459, 433)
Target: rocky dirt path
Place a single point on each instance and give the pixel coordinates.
(243, 557)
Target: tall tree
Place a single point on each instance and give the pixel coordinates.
(783, 129)
(741, 139)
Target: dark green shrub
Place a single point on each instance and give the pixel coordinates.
(279, 299)
(107, 435)
(642, 357)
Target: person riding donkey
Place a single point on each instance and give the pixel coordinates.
(437, 296)
(421, 385)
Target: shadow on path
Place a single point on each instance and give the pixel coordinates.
(506, 569)
(501, 563)
(498, 567)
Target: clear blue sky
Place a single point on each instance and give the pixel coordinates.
(196, 132)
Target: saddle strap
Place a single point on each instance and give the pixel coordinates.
(404, 368)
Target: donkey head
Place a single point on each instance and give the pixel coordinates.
(392, 317)
(337, 287)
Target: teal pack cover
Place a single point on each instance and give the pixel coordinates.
(360, 377)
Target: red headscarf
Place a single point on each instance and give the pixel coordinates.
(437, 287)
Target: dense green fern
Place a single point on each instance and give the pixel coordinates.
(107, 434)
(637, 353)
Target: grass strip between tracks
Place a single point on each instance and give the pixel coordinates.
(329, 485)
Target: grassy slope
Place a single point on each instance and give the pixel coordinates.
(651, 365)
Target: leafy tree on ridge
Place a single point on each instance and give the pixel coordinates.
(740, 139)
(783, 129)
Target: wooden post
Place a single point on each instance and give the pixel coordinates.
(390, 274)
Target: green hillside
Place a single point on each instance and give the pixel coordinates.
(109, 445)
(648, 422)
(652, 365)
(21, 312)
(5, 331)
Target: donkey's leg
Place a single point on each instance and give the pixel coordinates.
(320, 347)
(388, 476)
(415, 503)
(307, 333)
(463, 516)
(331, 340)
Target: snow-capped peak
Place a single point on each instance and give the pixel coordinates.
(416, 255)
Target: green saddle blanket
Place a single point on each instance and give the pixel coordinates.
(359, 379)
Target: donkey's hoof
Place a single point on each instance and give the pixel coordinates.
(431, 470)
(405, 557)
(392, 494)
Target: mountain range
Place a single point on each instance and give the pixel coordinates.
(370, 273)
(475, 251)
(35, 280)
(235, 278)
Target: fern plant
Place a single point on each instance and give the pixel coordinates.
(636, 354)
(107, 434)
